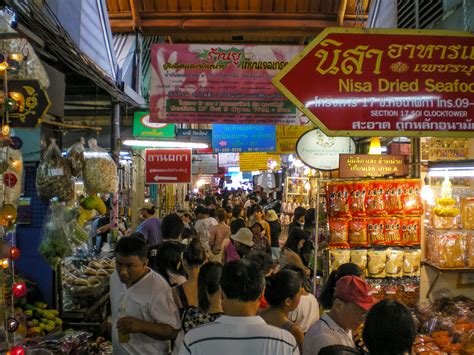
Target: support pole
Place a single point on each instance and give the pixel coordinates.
(115, 151)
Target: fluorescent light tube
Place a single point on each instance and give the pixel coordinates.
(164, 144)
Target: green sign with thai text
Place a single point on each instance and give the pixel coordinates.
(142, 127)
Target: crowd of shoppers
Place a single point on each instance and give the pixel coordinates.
(226, 283)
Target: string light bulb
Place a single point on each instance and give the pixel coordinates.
(5, 263)
(19, 289)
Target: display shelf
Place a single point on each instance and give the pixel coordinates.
(439, 271)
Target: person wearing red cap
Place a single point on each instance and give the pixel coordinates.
(352, 299)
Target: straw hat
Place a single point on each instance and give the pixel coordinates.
(271, 216)
(244, 236)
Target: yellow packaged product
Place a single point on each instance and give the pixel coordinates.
(337, 257)
(470, 250)
(376, 261)
(411, 262)
(467, 213)
(359, 257)
(394, 266)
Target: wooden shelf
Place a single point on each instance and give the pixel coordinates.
(440, 270)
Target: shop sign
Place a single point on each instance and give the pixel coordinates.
(204, 164)
(243, 138)
(258, 161)
(228, 160)
(198, 136)
(380, 82)
(203, 83)
(143, 127)
(167, 166)
(319, 151)
(287, 136)
(33, 103)
(365, 165)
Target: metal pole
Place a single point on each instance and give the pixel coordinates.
(415, 170)
(316, 239)
(115, 150)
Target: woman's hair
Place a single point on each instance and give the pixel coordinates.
(168, 257)
(296, 235)
(236, 211)
(236, 225)
(326, 298)
(282, 285)
(221, 215)
(194, 254)
(208, 283)
(299, 212)
(389, 329)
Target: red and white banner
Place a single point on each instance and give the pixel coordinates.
(168, 166)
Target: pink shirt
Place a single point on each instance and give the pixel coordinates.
(230, 253)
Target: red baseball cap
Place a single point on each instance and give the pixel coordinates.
(355, 290)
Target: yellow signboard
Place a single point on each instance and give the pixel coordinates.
(259, 161)
(287, 136)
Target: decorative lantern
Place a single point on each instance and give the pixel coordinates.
(19, 289)
(5, 263)
(17, 350)
(11, 324)
(14, 253)
(8, 212)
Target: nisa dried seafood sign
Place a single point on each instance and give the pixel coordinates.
(381, 82)
(27, 101)
(168, 166)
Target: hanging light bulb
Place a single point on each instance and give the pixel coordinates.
(375, 147)
(12, 324)
(16, 164)
(19, 289)
(17, 350)
(6, 129)
(5, 263)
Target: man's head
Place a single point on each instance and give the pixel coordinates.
(131, 259)
(147, 210)
(172, 227)
(186, 217)
(242, 284)
(352, 299)
(200, 212)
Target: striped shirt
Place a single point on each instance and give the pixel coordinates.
(239, 335)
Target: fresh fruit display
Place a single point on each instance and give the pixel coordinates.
(40, 320)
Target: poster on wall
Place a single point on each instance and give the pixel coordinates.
(198, 83)
(243, 138)
(321, 152)
(380, 82)
(167, 166)
(204, 164)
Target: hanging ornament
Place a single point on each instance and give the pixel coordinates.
(19, 289)
(15, 143)
(11, 324)
(17, 350)
(8, 212)
(14, 253)
(10, 180)
(5, 263)
(6, 130)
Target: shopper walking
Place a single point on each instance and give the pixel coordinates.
(203, 225)
(275, 230)
(151, 226)
(144, 316)
(240, 330)
(352, 299)
(283, 293)
(217, 235)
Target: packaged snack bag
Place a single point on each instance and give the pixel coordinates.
(358, 233)
(470, 250)
(393, 231)
(394, 266)
(337, 257)
(359, 257)
(337, 199)
(375, 231)
(452, 248)
(394, 193)
(100, 172)
(376, 199)
(357, 199)
(338, 232)
(411, 231)
(412, 203)
(376, 261)
(411, 262)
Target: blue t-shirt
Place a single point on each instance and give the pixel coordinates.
(151, 230)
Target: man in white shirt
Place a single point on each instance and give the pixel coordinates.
(239, 331)
(144, 315)
(353, 298)
(203, 226)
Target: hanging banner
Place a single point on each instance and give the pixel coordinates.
(258, 161)
(28, 103)
(204, 164)
(228, 160)
(142, 127)
(198, 83)
(167, 166)
(287, 136)
(379, 82)
(197, 136)
(243, 138)
(319, 151)
(365, 165)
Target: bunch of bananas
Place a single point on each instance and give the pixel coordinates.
(40, 320)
